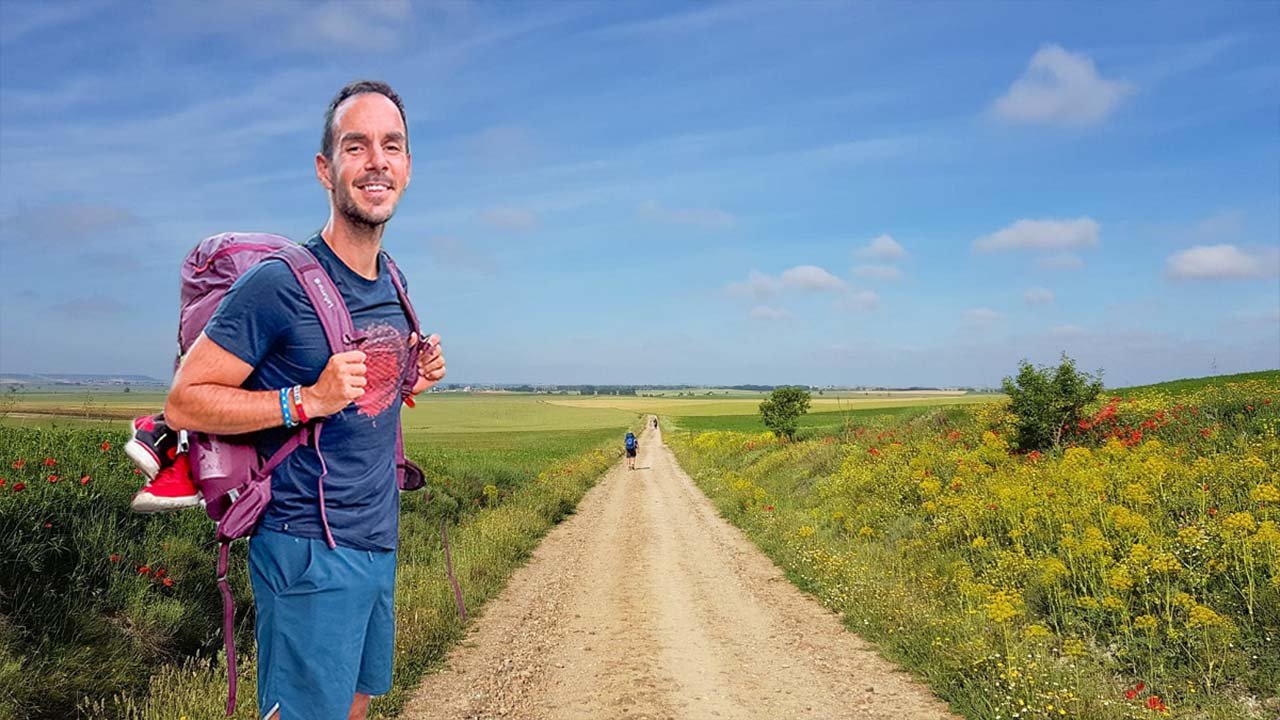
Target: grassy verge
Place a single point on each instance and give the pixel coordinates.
(106, 614)
(1135, 575)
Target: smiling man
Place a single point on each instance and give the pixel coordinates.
(325, 610)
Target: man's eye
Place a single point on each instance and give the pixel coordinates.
(354, 148)
(393, 148)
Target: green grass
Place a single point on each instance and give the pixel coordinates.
(1189, 384)
(83, 635)
(963, 561)
(824, 423)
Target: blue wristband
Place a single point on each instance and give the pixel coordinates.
(284, 408)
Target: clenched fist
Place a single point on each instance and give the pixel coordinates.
(431, 368)
(342, 381)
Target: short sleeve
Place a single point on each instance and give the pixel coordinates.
(259, 307)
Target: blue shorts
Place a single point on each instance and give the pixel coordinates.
(325, 625)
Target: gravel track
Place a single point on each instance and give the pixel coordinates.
(646, 604)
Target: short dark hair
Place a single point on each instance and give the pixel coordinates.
(355, 88)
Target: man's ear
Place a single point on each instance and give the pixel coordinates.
(322, 172)
(408, 177)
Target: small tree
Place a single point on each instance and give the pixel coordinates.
(1046, 401)
(781, 412)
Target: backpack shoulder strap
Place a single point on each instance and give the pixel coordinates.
(402, 294)
(324, 295)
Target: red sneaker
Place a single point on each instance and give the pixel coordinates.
(152, 445)
(171, 490)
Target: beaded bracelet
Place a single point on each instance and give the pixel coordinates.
(284, 408)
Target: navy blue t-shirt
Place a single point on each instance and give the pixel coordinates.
(267, 321)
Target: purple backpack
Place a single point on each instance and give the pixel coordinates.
(234, 480)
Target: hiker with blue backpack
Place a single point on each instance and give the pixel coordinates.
(284, 420)
(631, 445)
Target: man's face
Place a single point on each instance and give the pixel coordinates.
(370, 167)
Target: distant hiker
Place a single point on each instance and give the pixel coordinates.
(323, 558)
(631, 445)
(655, 422)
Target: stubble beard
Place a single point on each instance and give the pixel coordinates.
(352, 212)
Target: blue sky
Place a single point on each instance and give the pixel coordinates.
(888, 194)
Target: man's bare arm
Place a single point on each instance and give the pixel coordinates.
(207, 396)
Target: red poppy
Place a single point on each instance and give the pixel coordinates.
(53, 479)
(161, 572)
(19, 464)
(84, 480)
(1, 482)
(1206, 432)
(168, 582)
(1154, 703)
(874, 452)
(1130, 694)
(1084, 425)
(768, 508)
(48, 525)
(114, 557)
(105, 446)
(1213, 511)
(992, 506)
(1034, 455)
(144, 569)
(137, 471)
(1249, 408)
(19, 487)
(50, 462)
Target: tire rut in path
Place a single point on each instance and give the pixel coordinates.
(646, 604)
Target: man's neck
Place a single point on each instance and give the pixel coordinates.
(357, 248)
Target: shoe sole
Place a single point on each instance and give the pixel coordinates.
(145, 502)
(143, 457)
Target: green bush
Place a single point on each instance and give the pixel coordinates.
(1047, 401)
(781, 412)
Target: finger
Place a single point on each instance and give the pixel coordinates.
(413, 339)
(358, 381)
(432, 364)
(349, 356)
(358, 369)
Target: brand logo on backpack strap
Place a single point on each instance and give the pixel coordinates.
(324, 292)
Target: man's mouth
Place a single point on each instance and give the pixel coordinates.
(375, 189)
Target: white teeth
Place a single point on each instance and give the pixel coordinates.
(375, 188)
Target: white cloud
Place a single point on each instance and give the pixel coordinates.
(768, 314)
(510, 219)
(1061, 88)
(1038, 296)
(811, 277)
(1066, 331)
(705, 218)
(883, 247)
(1061, 261)
(1224, 262)
(1041, 235)
(982, 317)
(757, 286)
(859, 301)
(877, 272)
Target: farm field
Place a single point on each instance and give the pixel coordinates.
(705, 407)
(1133, 574)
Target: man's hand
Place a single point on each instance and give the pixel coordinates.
(431, 368)
(342, 381)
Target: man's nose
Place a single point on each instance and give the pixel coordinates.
(376, 159)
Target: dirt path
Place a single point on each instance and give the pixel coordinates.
(646, 604)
